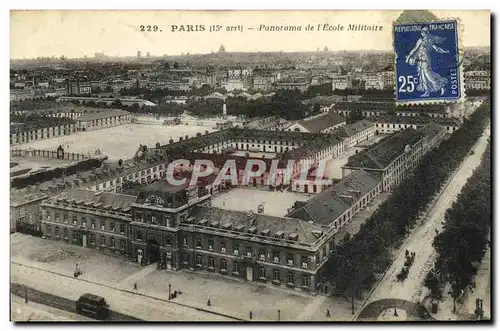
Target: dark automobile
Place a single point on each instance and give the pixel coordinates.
(93, 306)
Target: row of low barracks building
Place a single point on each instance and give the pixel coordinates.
(86, 122)
(176, 227)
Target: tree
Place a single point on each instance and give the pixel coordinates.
(354, 116)
(176, 65)
(432, 283)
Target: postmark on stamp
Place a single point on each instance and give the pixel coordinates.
(428, 66)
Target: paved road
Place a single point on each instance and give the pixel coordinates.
(60, 303)
(20, 311)
(421, 239)
(123, 302)
(415, 312)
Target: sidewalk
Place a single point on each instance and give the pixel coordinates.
(125, 302)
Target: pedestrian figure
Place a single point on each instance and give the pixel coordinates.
(407, 253)
(135, 286)
(26, 295)
(208, 303)
(251, 314)
(395, 312)
(328, 313)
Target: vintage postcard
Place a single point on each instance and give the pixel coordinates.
(250, 166)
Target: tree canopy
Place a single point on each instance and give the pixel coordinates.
(353, 264)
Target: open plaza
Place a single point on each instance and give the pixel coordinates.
(44, 264)
(119, 142)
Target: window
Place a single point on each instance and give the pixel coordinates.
(112, 226)
(56, 217)
(122, 228)
(262, 255)
(138, 216)
(236, 249)
(168, 241)
(290, 277)
(122, 244)
(236, 267)
(223, 264)
(48, 230)
(317, 258)
(276, 256)
(210, 245)
(153, 220)
(184, 242)
(249, 251)
(103, 241)
(75, 220)
(223, 247)
(112, 243)
(84, 222)
(168, 222)
(48, 216)
(185, 258)
(65, 218)
(290, 259)
(65, 233)
(198, 260)
(92, 239)
(57, 231)
(324, 253)
(303, 262)
(139, 235)
(210, 262)
(198, 242)
(305, 280)
(276, 274)
(92, 224)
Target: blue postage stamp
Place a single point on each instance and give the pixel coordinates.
(427, 62)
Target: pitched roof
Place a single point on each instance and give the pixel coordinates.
(321, 122)
(259, 221)
(104, 200)
(354, 128)
(102, 115)
(325, 207)
(385, 151)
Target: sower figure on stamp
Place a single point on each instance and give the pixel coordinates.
(429, 81)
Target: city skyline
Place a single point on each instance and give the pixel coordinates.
(31, 31)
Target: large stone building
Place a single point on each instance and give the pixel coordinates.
(103, 119)
(28, 129)
(394, 156)
(377, 108)
(175, 227)
(477, 80)
(322, 123)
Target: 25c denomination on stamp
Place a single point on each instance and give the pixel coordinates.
(428, 66)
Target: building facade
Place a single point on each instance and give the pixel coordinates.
(103, 119)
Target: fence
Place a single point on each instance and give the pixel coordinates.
(47, 154)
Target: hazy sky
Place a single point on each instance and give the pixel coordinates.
(79, 33)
